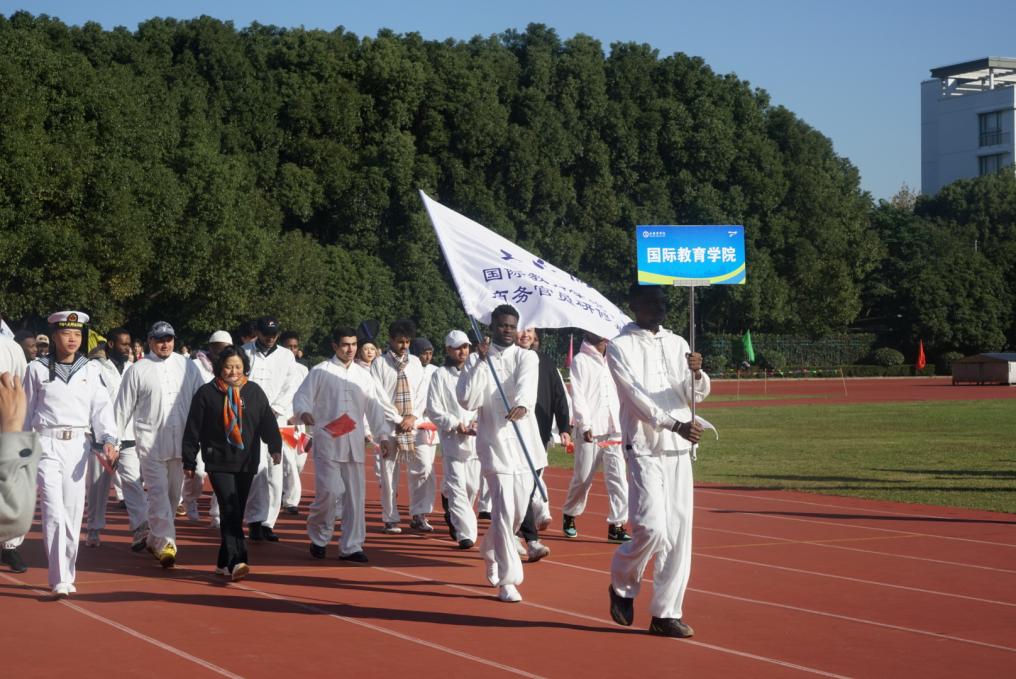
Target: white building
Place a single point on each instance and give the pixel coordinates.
(967, 116)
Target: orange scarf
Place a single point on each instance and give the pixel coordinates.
(232, 411)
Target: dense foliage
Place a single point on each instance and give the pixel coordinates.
(203, 174)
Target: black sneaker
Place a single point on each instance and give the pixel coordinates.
(317, 551)
(13, 560)
(291, 510)
(670, 627)
(483, 515)
(465, 543)
(448, 519)
(357, 557)
(622, 609)
(254, 532)
(568, 527)
(268, 534)
(617, 533)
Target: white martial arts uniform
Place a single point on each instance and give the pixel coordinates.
(420, 468)
(156, 393)
(331, 390)
(502, 461)
(194, 488)
(459, 462)
(63, 413)
(275, 372)
(595, 409)
(654, 385)
(128, 467)
(12, 360)
(293, 461)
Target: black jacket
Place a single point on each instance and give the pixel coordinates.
(551, 400)
(206, 429)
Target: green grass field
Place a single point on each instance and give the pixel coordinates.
(959, 453)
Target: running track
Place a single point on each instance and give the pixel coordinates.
(783, 584)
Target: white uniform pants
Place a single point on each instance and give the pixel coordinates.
(194, 488)
(588, 458)
(483, 504)
(335, 483)
(509, 499)
(164, 479)
(62, 470)
(460, 485)
(660, 501)
(422, 486)
(292, 465)
(128, 469)
(265, 498)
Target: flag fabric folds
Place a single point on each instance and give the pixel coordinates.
(921, 360)
(749, 350)
(490, 270)
(571, 352)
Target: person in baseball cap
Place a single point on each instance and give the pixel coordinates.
(268, 325)
(161, 330)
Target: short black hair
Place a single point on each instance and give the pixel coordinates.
(402, 328)
(637, 291)
(116, 332)
(21, 335)
(288, 335)
(246, 329)
(343, 331)
(228, 352)
(504, 310)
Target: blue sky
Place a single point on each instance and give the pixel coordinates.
(850, 69)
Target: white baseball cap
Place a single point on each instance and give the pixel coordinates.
(455, 339)
(220, 336)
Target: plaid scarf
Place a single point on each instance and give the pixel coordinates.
(404, 404)
(232, 411)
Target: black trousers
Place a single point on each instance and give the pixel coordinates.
(231, 490)
(528, 528)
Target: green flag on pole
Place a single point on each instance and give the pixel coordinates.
(749, 350)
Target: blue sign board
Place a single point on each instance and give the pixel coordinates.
(690, 255)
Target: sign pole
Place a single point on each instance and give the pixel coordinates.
(691, 285)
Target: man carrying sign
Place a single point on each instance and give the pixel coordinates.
(334, 399)
(656, 374)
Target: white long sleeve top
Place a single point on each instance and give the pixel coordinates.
(157, 394)
(12, 358)
(654, 387)
(332, 389)
(275, 372)
(82, 402)
(595, 406)
(497, 444)
(447, 414)
(384, 371)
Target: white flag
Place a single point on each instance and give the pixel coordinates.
(490, 270)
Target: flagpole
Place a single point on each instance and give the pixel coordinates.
(691, 345)
(508, 407)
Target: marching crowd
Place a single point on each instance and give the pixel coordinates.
(245, 413)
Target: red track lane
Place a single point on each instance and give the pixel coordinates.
(779, 392)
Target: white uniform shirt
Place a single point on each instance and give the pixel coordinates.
(112, 378)
(12, 358)
(595, 407)
(206, 371)
(332, 389)
(654, 388)
(497, 445)
(384, 371)
(447, 414)
(83, 402)
(157, 394)
(276, 374)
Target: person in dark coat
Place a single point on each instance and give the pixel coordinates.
(228, 416)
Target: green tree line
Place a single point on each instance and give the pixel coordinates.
(204, 174)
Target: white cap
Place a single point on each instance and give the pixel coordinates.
(68, 319)
(455, 339)
(220, 336)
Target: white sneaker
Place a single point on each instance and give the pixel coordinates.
(509, 594)
(537, 550)
(192, 511)
(93, 539)
(214, 522)
(222, 571)
(61, 590)
(520, 547)
(392, 528)
(544, 523)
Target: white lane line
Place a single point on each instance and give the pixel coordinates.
(391, 632)
(811, 611)
(134, 633)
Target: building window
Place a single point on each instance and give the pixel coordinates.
(991, 128)
(993, 163)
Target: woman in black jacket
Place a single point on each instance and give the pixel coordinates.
(228, 419)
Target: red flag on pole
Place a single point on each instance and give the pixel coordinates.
(571, 352)
(921, 360)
